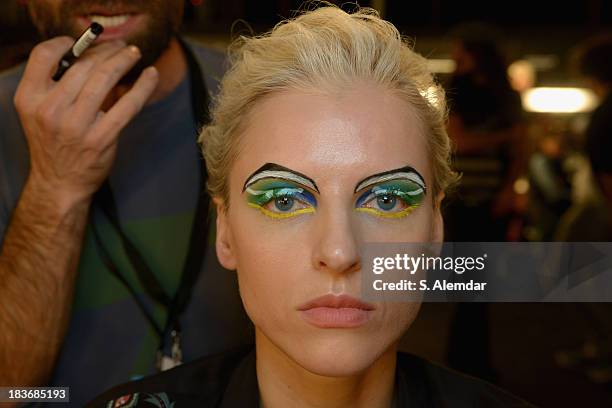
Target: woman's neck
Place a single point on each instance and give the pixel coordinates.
(283, 382)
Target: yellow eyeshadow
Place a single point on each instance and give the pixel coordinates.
(279, 215)
(378, 213)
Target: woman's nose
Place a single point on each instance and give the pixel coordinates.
(337, 247)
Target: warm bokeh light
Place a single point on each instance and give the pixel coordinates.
(522, 75)
(441, 65)
(559, 100)
(521, 185)
(542, 62)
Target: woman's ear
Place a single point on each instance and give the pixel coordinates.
(437, 225)
(224, 243)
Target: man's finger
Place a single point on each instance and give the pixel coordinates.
(108, 127)
(102, 79)
(43, 63)
(68, 88)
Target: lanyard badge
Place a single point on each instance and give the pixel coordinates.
(165, 362)
(174, 305)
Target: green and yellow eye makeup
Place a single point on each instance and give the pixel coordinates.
(391, 194)
(279, 192)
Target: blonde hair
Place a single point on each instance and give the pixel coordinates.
(323, 49)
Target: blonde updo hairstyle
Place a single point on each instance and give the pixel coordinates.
(325, 49)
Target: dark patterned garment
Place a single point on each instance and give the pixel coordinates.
(229, 380)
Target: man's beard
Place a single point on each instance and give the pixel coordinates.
(160, 25)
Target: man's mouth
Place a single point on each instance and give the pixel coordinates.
(109, 21)
(118, 25)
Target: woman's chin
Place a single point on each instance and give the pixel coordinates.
(337, 360)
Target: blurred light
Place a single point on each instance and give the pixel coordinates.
(522, 75)
(521, 186)
(559, 100)
(441, 65)
(197, 2)
(543, 62)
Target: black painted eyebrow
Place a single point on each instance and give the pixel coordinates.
(277, 167)
(405, 169)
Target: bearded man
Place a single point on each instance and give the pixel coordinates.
(106, 272)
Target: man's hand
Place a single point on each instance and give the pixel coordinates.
(72, 142)
(72, 148)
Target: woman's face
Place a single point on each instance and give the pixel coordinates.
(316, 176)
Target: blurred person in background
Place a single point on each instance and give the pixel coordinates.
(550, 185)
(103, 215)
(596, 67)
(589, 219)
(485, 124)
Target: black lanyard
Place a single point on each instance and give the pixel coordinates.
(105, 201)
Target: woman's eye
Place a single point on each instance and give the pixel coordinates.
(386, 202)
(391, 200)
(276, 200)
(285, 204)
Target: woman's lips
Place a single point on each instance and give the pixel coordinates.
(330, 311)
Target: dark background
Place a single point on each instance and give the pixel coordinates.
(528, 26)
